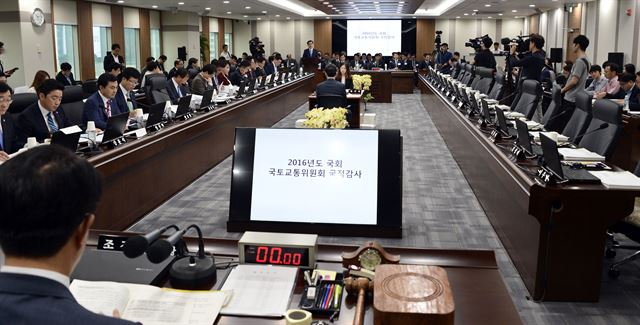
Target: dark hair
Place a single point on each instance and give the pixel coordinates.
(261, 59)
(629, 67)
(224, 45)
(149, 59)
(638, 74)
(5, 87)
(222, 63)
(496, 43)
(568, 67)
(445, 44)
(192, 61)
(245, 64)
(214, 63)
(582, 41)
(614, 67)
(65, 66)
(595, 68)
(176, 62)
(152, 65)
(346, 75)
(233, 57)
(162, 57)
(130, 73)
(105, 79)
(114, 66)
(40, 76)
(1, 44)
(38, 217)
(456, 53)
(48, 86)
(627, 77)
(182, 72)
(331, 70)
(208, 68)
(487, 41)
(309, 41)
(115, 46)
(537, 40)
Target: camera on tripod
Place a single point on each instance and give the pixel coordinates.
(438, 39)
(256, 47)
(476, 43)
(521, 42)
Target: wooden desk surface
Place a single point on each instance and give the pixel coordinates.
(141, 174)
(480, 295)
(554, 234)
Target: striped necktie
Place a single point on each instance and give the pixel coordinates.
(52, 124)
(108, 108)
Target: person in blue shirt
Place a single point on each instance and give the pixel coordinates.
(444, 55)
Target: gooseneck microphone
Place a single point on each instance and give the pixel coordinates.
(601, 127)
(137, 245)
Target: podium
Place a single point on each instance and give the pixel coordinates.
(310, 64)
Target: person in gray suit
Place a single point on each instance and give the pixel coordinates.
(203, 81)
(43, 232)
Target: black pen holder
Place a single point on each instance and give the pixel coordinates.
(314, 306)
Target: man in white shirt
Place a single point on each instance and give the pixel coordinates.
(599, 81)
(43, 232)
(225, 52)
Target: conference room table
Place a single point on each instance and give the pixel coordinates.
(554, 234)
(353, 100)
(384, 83)
(141, 174)
(479, 294)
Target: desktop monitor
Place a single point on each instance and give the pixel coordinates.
(523, 140)
(323, 181)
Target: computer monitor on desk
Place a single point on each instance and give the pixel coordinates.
(332, 182)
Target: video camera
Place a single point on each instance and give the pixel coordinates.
(476, 43)
(521, 42)
(438, 39)
(256, 47)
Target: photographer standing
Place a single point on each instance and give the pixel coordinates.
(533, 61)
(256, 47)
(485, 58)
(444, 55)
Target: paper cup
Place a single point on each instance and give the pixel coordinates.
(31, 142)
(91, 126)
(139, 112)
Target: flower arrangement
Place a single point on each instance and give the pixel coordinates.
(363, 82)
(334, 118)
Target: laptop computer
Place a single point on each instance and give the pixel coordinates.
(116, 125)
(183, 106)
(156, 112)
(524, 140)
(69, 141)
(563, 173)
(263, 80)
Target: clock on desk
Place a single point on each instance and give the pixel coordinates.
(278, 249)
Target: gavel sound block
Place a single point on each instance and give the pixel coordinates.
(412, 295)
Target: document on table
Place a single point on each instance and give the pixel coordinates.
(580, 154)
(618, 179)
(259, 290)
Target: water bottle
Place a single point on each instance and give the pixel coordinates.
(91, 133)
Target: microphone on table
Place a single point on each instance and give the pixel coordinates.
(137, 245)
(601, 127)
(188, 271)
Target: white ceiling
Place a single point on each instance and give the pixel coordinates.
(295, 9)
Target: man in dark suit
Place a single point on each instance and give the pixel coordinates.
(113, 57)
(43, 117)
(204, 80)
(177, 64)
(8, 137)
(65, 76)
(260, 63)
(125, 97)
(310, 51)
(44, 241)
(100, 106)
(331, 86)
(240, 75)
(274, 63)
(291, 63)
(177, 86)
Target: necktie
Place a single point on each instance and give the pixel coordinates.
(108, 108)
(179, 92)
(52, 125)
(1, 138)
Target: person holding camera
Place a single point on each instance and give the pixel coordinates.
(256, 47)
(484, 57)
(532, 62)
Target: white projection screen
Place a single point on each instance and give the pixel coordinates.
(374, 36)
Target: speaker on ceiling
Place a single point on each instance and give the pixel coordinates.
(555, 55)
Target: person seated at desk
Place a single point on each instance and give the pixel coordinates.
(291, 63)
(252, 67)
(65, 76)
(331, 86)
(114, 69)
(223, 73)
(43, 117)
(125, 97)
(146, 62)
(629, 83)
(203, 80)
(38, 79)
(100, 106)
(260, 62)
(152, 71)
(177, 86)
(177, 64)
(240, 75)
(378, 62)
(598, 80)
(612, 89)
(274, 62)
(43, 233)
(344, 76)
(427, 61)
(9, 142)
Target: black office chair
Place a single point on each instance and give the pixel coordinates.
(90, 87)
(72, 104)
(156, 88)
(467, 79)
(485, 81)
(462, 71)
(580, 118)
(630, 227)
(497, 91)
(21, 101)
(456, 71)
(603, 142)
(551, 120)
(528, 98)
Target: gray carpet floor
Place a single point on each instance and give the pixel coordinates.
(439, 211)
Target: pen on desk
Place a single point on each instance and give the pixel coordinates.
(327, 304)
(326, 296)
(336, 296)
(320, 296)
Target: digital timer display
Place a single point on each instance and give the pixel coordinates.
(276, 255)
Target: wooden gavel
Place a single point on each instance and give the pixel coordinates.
(358, 286)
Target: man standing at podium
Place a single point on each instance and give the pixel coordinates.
(310, 51)
(43, 232)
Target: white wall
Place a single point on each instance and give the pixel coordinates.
(285, 43)
(241, 36)
(180, 29)
(264, 33)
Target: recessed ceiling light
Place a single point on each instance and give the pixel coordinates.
(376, 2)
(288, 17)
(487, 5)
(475, 10)
(414, 17)
(277, 15)
(325, 3)
(466, 14)
(350, 2)
(154, 6)
(490, 17)
(514, 10)
(180, 3)
(264, 11)
(330, 6)
(259, 18)
(401, 2)
(228, 12)
(326, 17)
(516, 17)
(532, 5)
(225, 2)
(247, 7)
(457, 17)
(207, 8)
(499, 14)
(120, 1)
(245, 16)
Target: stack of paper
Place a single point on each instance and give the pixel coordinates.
(579, 154)
(531, 125)
(513, 115)
(617, 180)
(561, 138)
(504, 107)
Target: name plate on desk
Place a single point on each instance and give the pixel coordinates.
(111, 243)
